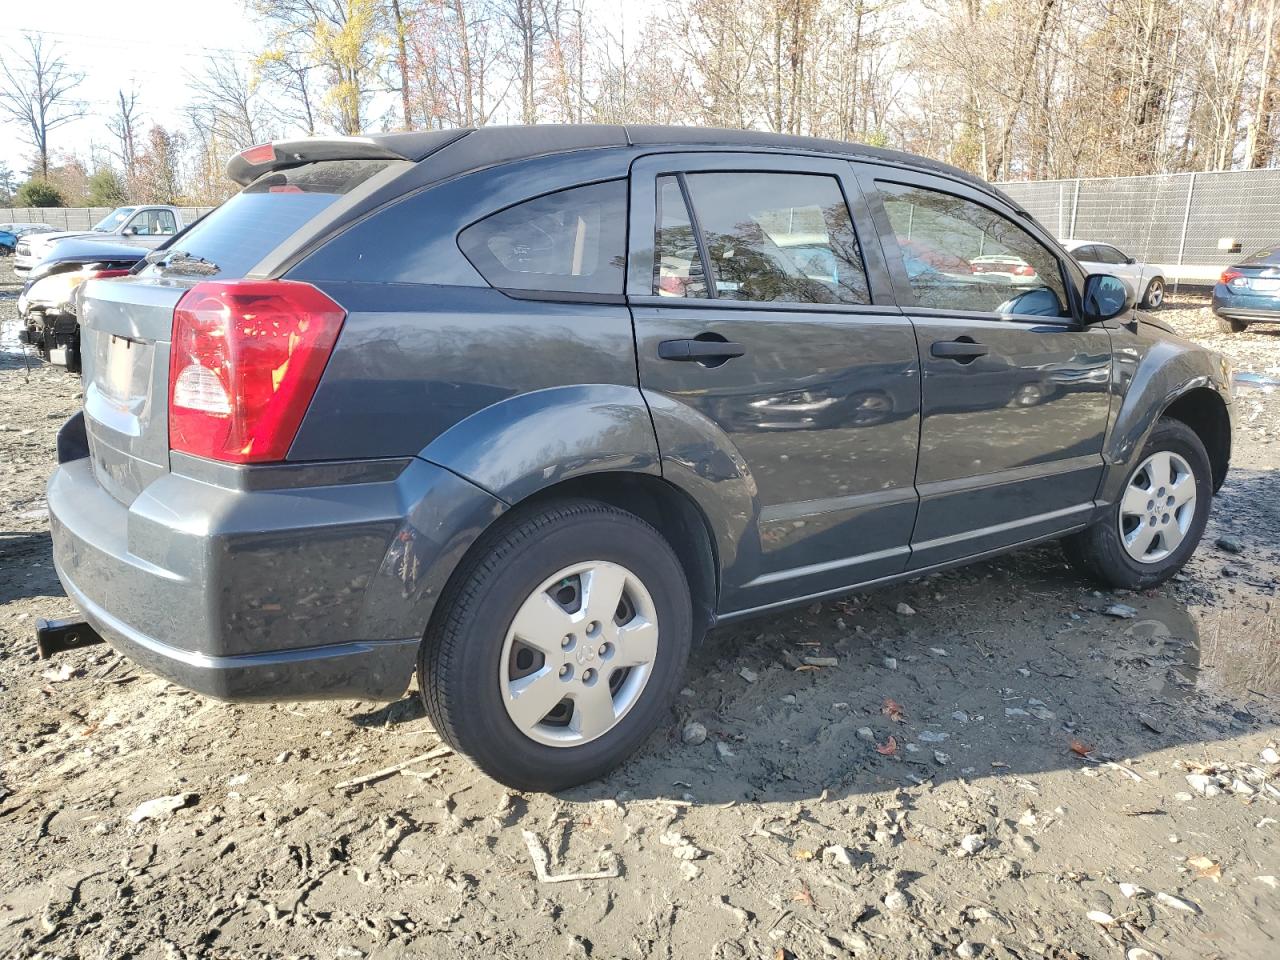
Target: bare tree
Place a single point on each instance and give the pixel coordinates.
(229, 97)
(37, 93)
(123, 125)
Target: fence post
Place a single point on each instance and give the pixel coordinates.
(1186, 218)
(1075, 205)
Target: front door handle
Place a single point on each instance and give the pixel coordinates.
(961, 350)
(699, 350)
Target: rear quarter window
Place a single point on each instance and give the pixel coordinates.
(241, 232)
(571, 241)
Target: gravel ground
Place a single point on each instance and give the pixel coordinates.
(993, 766)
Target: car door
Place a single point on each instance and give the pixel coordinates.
(1014, 392)
(760, 314)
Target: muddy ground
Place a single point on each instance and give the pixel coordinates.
(919, 798)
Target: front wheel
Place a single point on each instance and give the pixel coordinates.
(1154, 296)
(559, 645)
(1148, 536)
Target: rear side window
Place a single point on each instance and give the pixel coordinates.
(677, 265)
(778, 237)
(573, 241)
(241, 232)
(959, 255)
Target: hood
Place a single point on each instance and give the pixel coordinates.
(88, 249)
(44, 239)
(1153, 325)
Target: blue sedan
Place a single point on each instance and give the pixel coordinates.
(1249, 292)
(8, 240)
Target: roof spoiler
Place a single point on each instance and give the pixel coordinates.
(247, 165)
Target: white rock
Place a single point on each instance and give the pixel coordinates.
(866, 733)
(895, 901)
(972, 843)
(1132, 890)
(966, 950)
(1138, 953)
(960, 716)
(723, 751)
(694, 733)
(161, 807)
(942, 759)
(932, 736)
(906, 610)
(1028, 818)
(891, 663)
(837, 854)
(1121, 610)
(749, 675)
(1203, 784)
(939, 652)
(1177, 903)
(1098, 916)
(1270, 756)
(1015, 712)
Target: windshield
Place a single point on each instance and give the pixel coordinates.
(112, 220)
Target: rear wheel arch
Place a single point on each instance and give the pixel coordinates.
(659, 503)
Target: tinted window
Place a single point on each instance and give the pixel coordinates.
(677, 267)
(959, 255)
(1106, 254)
(1086, 254)
(573, 241)
(778, 237)
(260, 217)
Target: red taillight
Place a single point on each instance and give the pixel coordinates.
(1025, 270)
(245, 361)
(104, 274)
(1230, 277)
(261, 153)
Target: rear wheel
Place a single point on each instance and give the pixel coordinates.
(1228, 325)
(559, 646)
(1154, 296)
(1148, 536)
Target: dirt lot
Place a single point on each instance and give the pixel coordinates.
(919, 798)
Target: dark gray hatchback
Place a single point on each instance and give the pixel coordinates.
(529, 409)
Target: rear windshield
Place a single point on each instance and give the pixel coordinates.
(1267, 255)
(233, 239)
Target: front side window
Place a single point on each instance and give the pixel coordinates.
(154, 223)
(960, 255)
(573, 241)
(778, 237)
(1107, 254)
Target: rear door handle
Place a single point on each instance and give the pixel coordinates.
(699, 350)
(958, 349)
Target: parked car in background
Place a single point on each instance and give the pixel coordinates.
(146, 226)
(1249, 292)
(10, 233)
(47, 306)
(1145, 280)
(427, 401)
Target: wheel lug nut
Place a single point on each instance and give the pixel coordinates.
(567, 642)
(566, 672)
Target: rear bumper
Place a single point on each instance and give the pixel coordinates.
(265, 594)
(1252, 308)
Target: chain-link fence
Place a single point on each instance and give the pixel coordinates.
(1193, 224)
(76, 218)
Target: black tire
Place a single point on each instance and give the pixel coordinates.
(458, 669)
(1153, 298)
(1099, 552)
(1228, 325)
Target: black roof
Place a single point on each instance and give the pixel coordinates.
(483, 146)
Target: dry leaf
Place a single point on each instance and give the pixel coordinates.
(802, 896)
(1080, 749)
(889, 749)
(893, 710)
(1206, 869)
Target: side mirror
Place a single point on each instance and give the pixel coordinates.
(1130, 261)
(130, 231)
(1105, 297)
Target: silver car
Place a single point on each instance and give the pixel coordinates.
(1144, 280)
